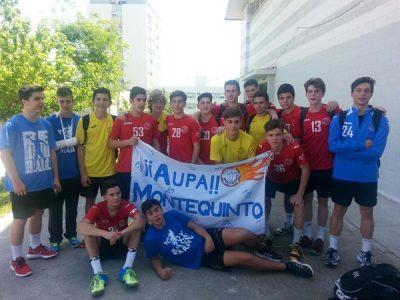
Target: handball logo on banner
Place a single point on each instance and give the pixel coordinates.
(253, 170)
(139, 166)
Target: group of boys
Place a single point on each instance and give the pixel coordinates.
(52, 162)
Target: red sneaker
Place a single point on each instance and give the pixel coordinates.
(40, 252)
(20, 268)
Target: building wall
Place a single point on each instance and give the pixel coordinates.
(357, 39)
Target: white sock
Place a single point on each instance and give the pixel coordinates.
(333, 241)
(307, 228)
(267, 229)
(130, 257)
(296, 235)
(289, 218)
(35, 240)
(96, 265)
(366, 245)
(321, 232)
(16, 251)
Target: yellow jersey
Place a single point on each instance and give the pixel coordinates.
(256, 128)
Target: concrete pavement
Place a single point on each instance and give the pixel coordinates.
(68, 275)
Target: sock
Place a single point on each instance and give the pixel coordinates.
(321, 232)
(16, 251)
(366, 245)
(130, 257)
(289, 218)
(333, 241)
(96, 265)
(267, 229)
(307, 229)
(296, 235)
(35, 240)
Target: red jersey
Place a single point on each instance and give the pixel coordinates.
(250, 109)
(285, 167)
(144, 127)
(218, 111)
(292, 122)
(208, 130)
(315, 139)
(183, 133)
(100, 216)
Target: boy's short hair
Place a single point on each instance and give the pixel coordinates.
(232, 82)
(64, 92)
(262, 94)
(361, 80)
(204, 95)
(317, 83)
(250, 82)
(232, 113)
(273, 124)
(155, 95)
(108, 184)
(148, 204)
(137, 90)
(101, 90)
(286, 88)
(178, 93)
(25, 92)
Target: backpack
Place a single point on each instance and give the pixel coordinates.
(376, 118)
(380, 281)
(85, 125)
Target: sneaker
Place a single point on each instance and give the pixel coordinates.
(305, 242)
(40, 252)
(98, 284)
(317, 247)
(296, 252)
(20, 268)
(56, 247)
(332, 258)
(299, 269)
(128, 276)
(285, 230)
(269, 254)
(74, 242)
(365, 258)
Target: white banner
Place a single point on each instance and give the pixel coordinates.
(229, 195)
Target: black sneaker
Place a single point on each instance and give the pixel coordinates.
(332, 258)
(365, 258)
(297, 268)
(305, 242)
(269, 254)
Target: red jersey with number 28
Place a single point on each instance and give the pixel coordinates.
(100, 216)
(315, 139)
(182, 134)
(285, 167)
(208, 130)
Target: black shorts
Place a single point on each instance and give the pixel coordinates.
(215, 259)
(364, 193)
(118, 250)
(124, 182)
(288, 188)
(95, 183)
(24, 207)
(320, 181)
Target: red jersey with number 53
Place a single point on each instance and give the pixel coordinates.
(285, 167)
(182, 134)
(144, 127)
(208, 130)
(315, 139)
(100, 216)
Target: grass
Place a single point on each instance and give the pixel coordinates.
(5, 204)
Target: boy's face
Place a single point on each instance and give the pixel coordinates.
(65, 103)
(275, 137)
(177, 105)
(286, 100)
(231, 93)
(113, 197)
(362, 94)
(232, 125)
(35, 102)
(314, 95)
(204, 105)
(260, 105)
(101, 102)
(138, 103)
(155, 216)
(158, 106)
(250, 91)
